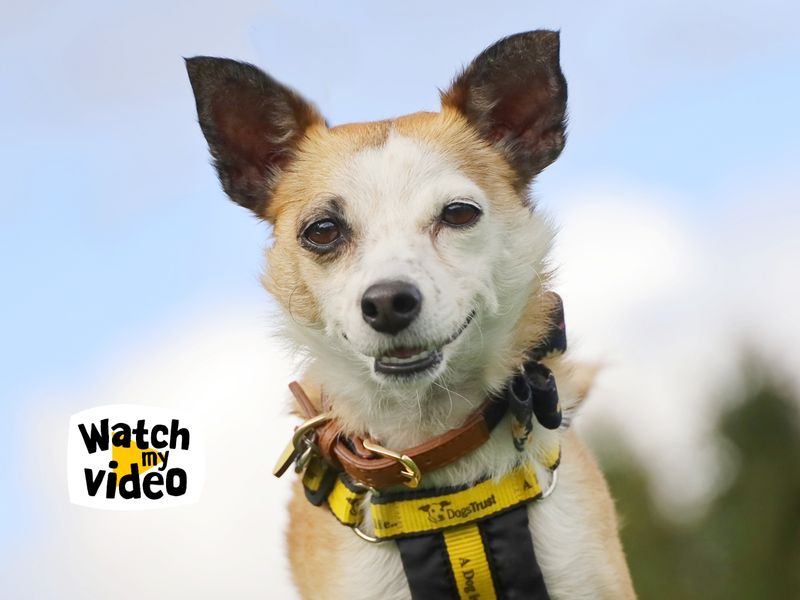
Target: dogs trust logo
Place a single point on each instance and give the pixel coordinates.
(435, 511)
(130, 457)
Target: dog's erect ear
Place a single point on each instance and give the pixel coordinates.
(444, 503)
(515, 95)
(424, 507)
(252, 123)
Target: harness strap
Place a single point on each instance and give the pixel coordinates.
(517, 575)
(487, 560)
(406, 513)
(469, 562)
(463, 543)
(409, 514)
(427, 567)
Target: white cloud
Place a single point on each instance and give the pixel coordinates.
(670, 308)
(230, 544)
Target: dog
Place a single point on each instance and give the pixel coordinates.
(411, 269)
(435, 510)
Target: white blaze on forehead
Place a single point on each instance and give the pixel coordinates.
(402, 182)
(392, 195)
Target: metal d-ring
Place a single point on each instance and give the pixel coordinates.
(357, 527)
(552, 486)
(411, 470)
(365, 536)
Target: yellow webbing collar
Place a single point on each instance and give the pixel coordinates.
(408, 513)
(345, 503)
(314, 474)
(434, 513)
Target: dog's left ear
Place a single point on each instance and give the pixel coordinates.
(253, 125)
(515, 95)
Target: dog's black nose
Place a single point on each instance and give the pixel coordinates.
(390, 306)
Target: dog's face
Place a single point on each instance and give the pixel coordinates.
(435, 511)
(398, 255)
(404, 251)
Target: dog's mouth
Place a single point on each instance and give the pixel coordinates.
(405, 361)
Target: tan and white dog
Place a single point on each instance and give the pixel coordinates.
(410, 264)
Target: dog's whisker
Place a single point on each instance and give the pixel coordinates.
(289, 307)
(480, 330)
(449, 397)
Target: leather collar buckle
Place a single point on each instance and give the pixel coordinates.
(410, 471)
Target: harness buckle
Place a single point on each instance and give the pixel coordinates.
(411, 470)
(301, 447)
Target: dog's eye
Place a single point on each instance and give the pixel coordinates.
(322, 234)
(460, 214)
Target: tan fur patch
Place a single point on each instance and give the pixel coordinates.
(314, 540)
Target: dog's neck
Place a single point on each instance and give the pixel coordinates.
(398, 425)
(401, 417)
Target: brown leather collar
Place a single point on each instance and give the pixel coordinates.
(379, 472)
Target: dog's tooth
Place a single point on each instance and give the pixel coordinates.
(396, 360)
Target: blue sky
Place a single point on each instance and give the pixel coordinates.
(113, 224)
(112, 219)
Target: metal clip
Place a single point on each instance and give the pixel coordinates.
(411, 470)
(301, 445)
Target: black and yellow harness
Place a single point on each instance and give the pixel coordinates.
(467, 542)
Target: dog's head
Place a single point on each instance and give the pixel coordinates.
(435, 510)
(406, 252)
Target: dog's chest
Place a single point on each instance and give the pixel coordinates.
(561, 531)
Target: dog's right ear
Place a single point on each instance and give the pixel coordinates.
(515, 95)
(252, 123)
(425, 507)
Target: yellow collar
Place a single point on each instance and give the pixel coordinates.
(403, 513)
